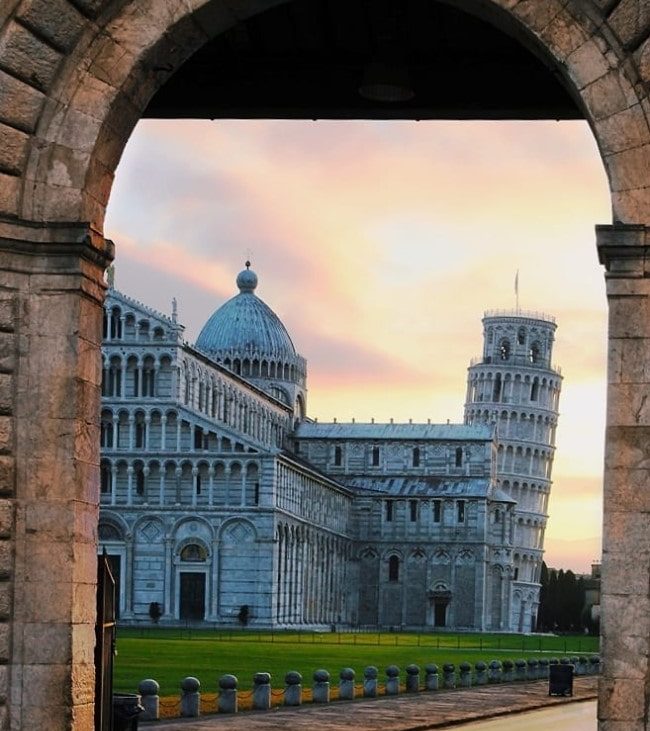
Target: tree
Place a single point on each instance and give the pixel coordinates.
(562, 599)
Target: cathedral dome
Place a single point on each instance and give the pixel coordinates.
(245, 325)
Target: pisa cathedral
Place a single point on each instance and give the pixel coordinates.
(221, 498)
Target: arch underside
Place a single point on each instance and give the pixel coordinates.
(73, 95)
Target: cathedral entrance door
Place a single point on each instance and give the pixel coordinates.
(440, 614)
(192, 599)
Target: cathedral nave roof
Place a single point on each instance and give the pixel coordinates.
(406, 432)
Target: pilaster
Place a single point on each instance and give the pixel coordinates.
(51, 295)
(624, 250)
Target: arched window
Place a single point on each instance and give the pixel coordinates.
(416, 456)
(140, 433)
(106, 434)
(534, 390)
(200, 438)
(114, 381)
(437, 511)
(148, 378)
(459, 456)
(393, 568)
(139, 481)
(116, 324)
(194, 552)
(460, 511)
(413, 509)
(496, 390)
(105, 478)
(535, 352)
(389, 511)
(504, 349)
(521, 335)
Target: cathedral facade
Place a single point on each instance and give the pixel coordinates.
(222, 502)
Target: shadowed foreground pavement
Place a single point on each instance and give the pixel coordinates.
(430, 710)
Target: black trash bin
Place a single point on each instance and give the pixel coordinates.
(560, 680)
(126, 709)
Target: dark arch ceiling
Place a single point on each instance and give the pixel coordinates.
(306, 59)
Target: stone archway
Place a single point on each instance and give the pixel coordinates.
(75, 76)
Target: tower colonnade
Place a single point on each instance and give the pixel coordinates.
(515, 386)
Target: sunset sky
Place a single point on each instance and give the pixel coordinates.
(379, 245)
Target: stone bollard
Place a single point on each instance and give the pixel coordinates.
(533, 669)
(542, 672)
(321, 689)
(412, 678)
(293, 689)
(448, 675)
(261, 692)
(594, 662)
(149, 690)
(481, 673)
(190, 697)
(465, 670)
(582, 666)
(431, 680)
(495, 674)
(520, 670)
(370, 681)
(392, 680)
(346, 684)
(508, 671)
(227, 694)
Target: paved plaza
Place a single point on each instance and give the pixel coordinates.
(576, 716)
(403, 713)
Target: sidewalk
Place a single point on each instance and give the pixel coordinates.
(418, 712)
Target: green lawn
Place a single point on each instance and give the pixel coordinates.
(168, 655)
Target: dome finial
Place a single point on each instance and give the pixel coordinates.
(247, 279)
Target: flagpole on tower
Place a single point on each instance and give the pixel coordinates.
(517, 290)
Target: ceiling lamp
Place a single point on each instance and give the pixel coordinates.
(386, 82)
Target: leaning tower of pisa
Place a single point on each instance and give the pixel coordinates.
(514, 385)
